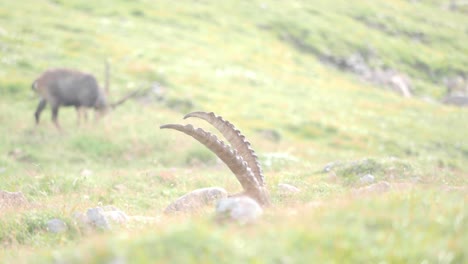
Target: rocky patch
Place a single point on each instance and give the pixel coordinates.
(196, 199)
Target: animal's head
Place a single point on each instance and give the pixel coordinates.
(239, 156)
(101, 105)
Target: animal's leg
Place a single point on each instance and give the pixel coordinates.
(98, 115)
(40, 107)
(55, 109)
(85, 114)
(78, 115)
(81, 114)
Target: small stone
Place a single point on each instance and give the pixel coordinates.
(285, 188)
(56, 226)
(86, 173)
(104, 217)
(367, 179)
(329, 166)
(243, 210)
(97, 219)
(376, 188)
(196, 199)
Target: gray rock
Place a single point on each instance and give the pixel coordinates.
(56, 226)
(196, 199)
(241, 209)
(285, 188)
(367, 179)
(102, 217)
(95, 217)
(457, 100)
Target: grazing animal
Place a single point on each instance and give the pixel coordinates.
(66, 87)
(239, 157)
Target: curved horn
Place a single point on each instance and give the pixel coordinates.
(236, 139)
(229, 156)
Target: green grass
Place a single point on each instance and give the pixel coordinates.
(237, 58)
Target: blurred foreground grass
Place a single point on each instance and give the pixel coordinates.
(232, 58)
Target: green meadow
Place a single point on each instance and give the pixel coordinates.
(272, 69)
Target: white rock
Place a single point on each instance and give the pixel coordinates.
(285, 188)
(196, 199)
(104, 217)
(86, 173)
(56, 226)
(367, 179)
(239, 209)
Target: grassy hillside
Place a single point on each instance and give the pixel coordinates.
(273, 69)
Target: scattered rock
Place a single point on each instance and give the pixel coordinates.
(363, 63)
(56, 226)
(86, 173)
(285, 188)
(457, 100)
(241, 209)
(456, 84)
(360, 62)
(376, 188)
(457, 90)
(399, 83)
(12, 199)
(196, 199)
(329, 166)
(96, 218)
(101, 218)
(367, 179)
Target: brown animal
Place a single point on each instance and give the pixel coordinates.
(67, 87)
(239, 157)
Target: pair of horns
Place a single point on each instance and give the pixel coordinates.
(239, 157)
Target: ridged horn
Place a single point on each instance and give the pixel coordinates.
(236, 139)
(229, 156)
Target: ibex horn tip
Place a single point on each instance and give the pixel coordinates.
(198, 114)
